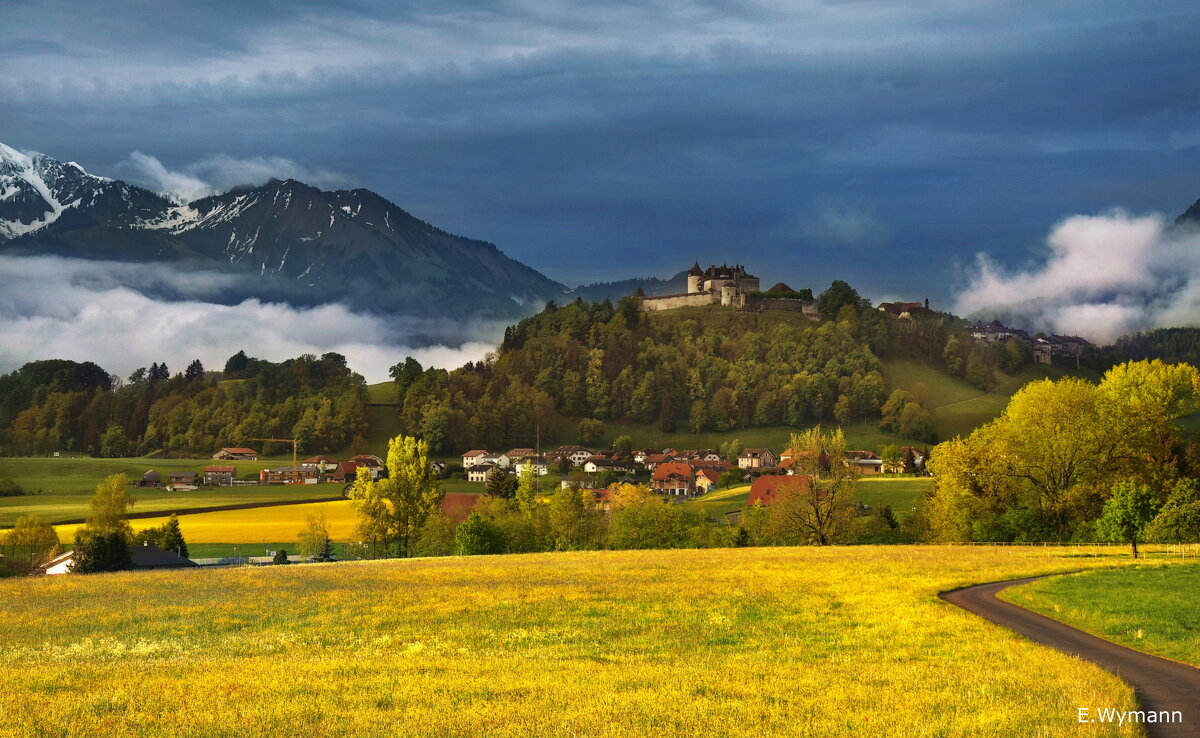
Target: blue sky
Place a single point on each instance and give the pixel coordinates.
(882, 143)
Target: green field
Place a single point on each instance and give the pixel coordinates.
(1148, 607)
(720, 502)
(79, 475)
(381, 393)
(901, 492)
(836, 641)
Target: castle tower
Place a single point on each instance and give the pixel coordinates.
(695, 274)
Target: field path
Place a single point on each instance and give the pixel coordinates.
(1160, 684)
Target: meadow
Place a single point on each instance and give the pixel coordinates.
(1148, 607)
(735, 642)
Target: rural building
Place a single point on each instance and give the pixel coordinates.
(767, 489)
(519, 454)
(538, 463)
(653, 460)
(182, 481)
(219, 476)
(482, 472)
(717, 285)
(371, 462)
(577, 455)
(600, 462)
(866, 462)
(904, 310)
(151, 478)
(755, 458)
(318, 462)
(236, 454)
(471, 458)
(288, 475)
(143, 558)
(674, 478)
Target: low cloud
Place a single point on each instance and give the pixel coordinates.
(1104, 276)
(84, 310)
(219, 173)
(836, 224)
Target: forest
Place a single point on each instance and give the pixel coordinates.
(702, 370)
(61, 405)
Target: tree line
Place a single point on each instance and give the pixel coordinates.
(61, 405)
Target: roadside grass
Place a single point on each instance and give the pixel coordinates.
(837, 641)
(1148, 607)
(382, 393)
(720, 501)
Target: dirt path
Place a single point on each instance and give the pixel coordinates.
(1160, 684)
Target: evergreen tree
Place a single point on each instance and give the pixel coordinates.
(281, 557)
(173, 537)
(195, 370)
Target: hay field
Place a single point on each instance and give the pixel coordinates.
(737, 642)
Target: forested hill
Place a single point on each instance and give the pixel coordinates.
(1172, 345)
(60, 405)
(701, 369)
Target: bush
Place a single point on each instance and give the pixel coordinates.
(281, 557)
(477, 536)
(9, 488)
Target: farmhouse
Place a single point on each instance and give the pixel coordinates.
(756, 458)
(236, 454)
(151, 478)
(482, 472)
(218, 476)
(182, 481)
(471, 458)
(577, 455)
(866, 462)
(288, 475)
(537, 462)
(767, 489)
(143, 557)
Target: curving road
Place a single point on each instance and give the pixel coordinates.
(1160, 684)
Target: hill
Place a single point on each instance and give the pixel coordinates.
(282, 241)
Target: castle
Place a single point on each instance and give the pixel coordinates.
(718, 285)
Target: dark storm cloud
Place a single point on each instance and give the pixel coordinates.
(813, 140)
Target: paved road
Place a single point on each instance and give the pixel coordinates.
(1160, 684)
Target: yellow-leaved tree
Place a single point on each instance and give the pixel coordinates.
(393, 509)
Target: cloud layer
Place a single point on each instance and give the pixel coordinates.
(81, 310)
(1103, 276)
(595, 140)
(219, 173)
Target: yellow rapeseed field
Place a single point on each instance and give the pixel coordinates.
(279, 523)
(848, 641)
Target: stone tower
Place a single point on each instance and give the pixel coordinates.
(695, 275)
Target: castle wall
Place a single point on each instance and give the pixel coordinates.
(677, 301)
(783, 303)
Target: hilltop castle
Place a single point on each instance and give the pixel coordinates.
(730, 286)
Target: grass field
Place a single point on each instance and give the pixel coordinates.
(1150, 608)
(737, 642)
(80, 475)
(899, 492)
(57, 508)
(720, 501)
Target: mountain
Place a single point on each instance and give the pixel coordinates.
(286, 241)
(1190, 217)
(614, 291)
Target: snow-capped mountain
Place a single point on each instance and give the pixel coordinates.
(288, 240)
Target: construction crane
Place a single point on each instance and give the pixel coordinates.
(295, 453)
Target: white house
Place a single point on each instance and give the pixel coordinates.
(481, 472)
(471, 458)
(756, 458)
(501, 460)
(539, 465)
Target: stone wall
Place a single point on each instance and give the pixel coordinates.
(670, 302)
(783, 303)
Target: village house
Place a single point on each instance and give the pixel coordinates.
(471, 458)
(604, 462)
(917, 455)
(500, 460)
(372, 462)
(653, 460)
(151, 478)
(319, 463)
(577, 455)
(674, 478)
(483, 472)
(768, 489)
(182, 481)
(219, 476)
(755, 458)
(518, 454)
(236, 454)
(866, 462)
(904, 310)
(289, 475)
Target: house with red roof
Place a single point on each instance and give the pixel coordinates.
(767, 489)
(675, 478)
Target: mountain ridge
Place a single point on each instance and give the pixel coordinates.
(287, 240)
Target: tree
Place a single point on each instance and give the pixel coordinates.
(527, 486)
(393, 509)
(589, 431)
(730, 450)
(114, 443)
(195, 370)
(110, 505)
(500, 484)
(839, 295)
(893, 459)
(281, 557)
(1179, 519)
(173, 537)
(477, 536)
(821, 509)
(953, 355)
(313, 540)
(1127, 513)
(97, 551)
(31, 538)
(566, 517)
(731, 478)
(624, 448)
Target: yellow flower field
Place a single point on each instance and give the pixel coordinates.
(279, 523)
(847, 641)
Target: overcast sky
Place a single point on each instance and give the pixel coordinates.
(879, 142)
